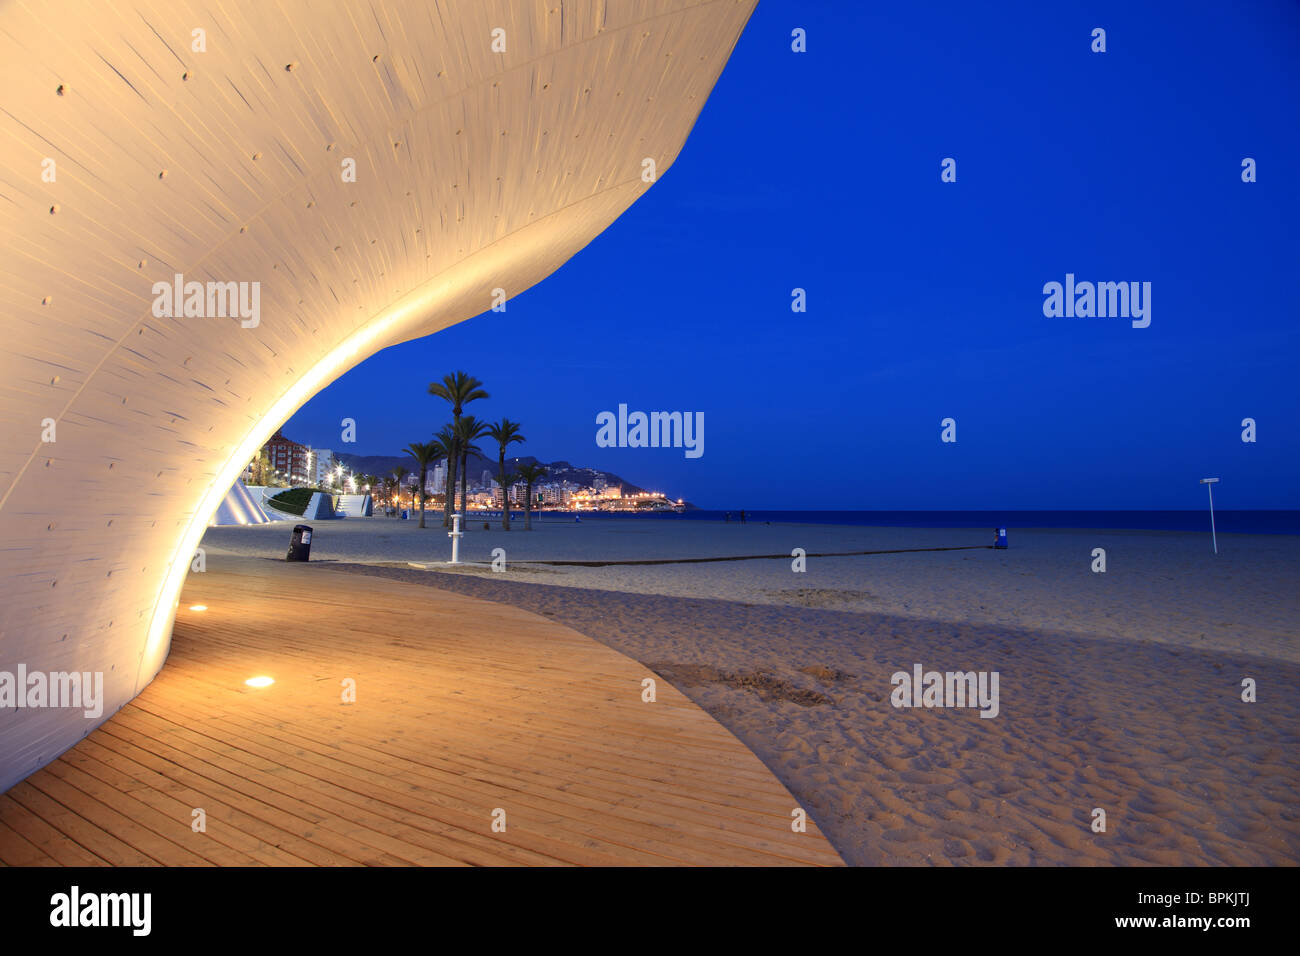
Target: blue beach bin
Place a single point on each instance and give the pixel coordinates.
(405, 515)
(1000, 538)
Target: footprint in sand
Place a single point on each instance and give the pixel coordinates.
(959, 799)
(920, 777)
(955, 849)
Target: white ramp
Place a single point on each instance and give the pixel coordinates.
(355, 506)
(239, 507)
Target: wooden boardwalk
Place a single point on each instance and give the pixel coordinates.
(463, 709)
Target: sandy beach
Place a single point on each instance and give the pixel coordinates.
(1119, 691)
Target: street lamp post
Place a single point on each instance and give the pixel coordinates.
(1209, 484)
(455, 535)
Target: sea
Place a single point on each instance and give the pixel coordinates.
(1225, 522)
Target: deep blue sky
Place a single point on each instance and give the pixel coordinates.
(821, 170)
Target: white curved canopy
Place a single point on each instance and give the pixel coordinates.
(131, 155)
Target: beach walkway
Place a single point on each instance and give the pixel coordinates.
(480, 734)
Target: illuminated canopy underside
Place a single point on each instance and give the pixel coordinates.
(475, 170)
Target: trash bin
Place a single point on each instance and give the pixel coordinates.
(300, 544)
(1000, 538)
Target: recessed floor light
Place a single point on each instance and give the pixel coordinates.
(259, 681)
(198, 607)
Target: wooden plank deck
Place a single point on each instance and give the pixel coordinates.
(463, 707)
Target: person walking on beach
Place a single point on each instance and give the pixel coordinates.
(742, 515)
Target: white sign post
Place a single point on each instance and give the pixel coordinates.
(455, 534)
(1209, 486)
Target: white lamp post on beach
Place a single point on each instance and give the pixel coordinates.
(1209, 486)
(455, 534)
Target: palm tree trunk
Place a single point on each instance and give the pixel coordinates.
(528, 506)
(464, 487)
(505, 494)
(424, 473)
(451, 472)
(449, 503)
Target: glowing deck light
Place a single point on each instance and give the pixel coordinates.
(198, 607)
(260, 681)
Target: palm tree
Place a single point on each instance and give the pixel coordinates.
(424, 453)
(261, 468)
(457, 389)
(446, 439)
(530, 474)
(441, 450)
(506, 481)
(467, 429)
(399, 475)
(504, 433)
